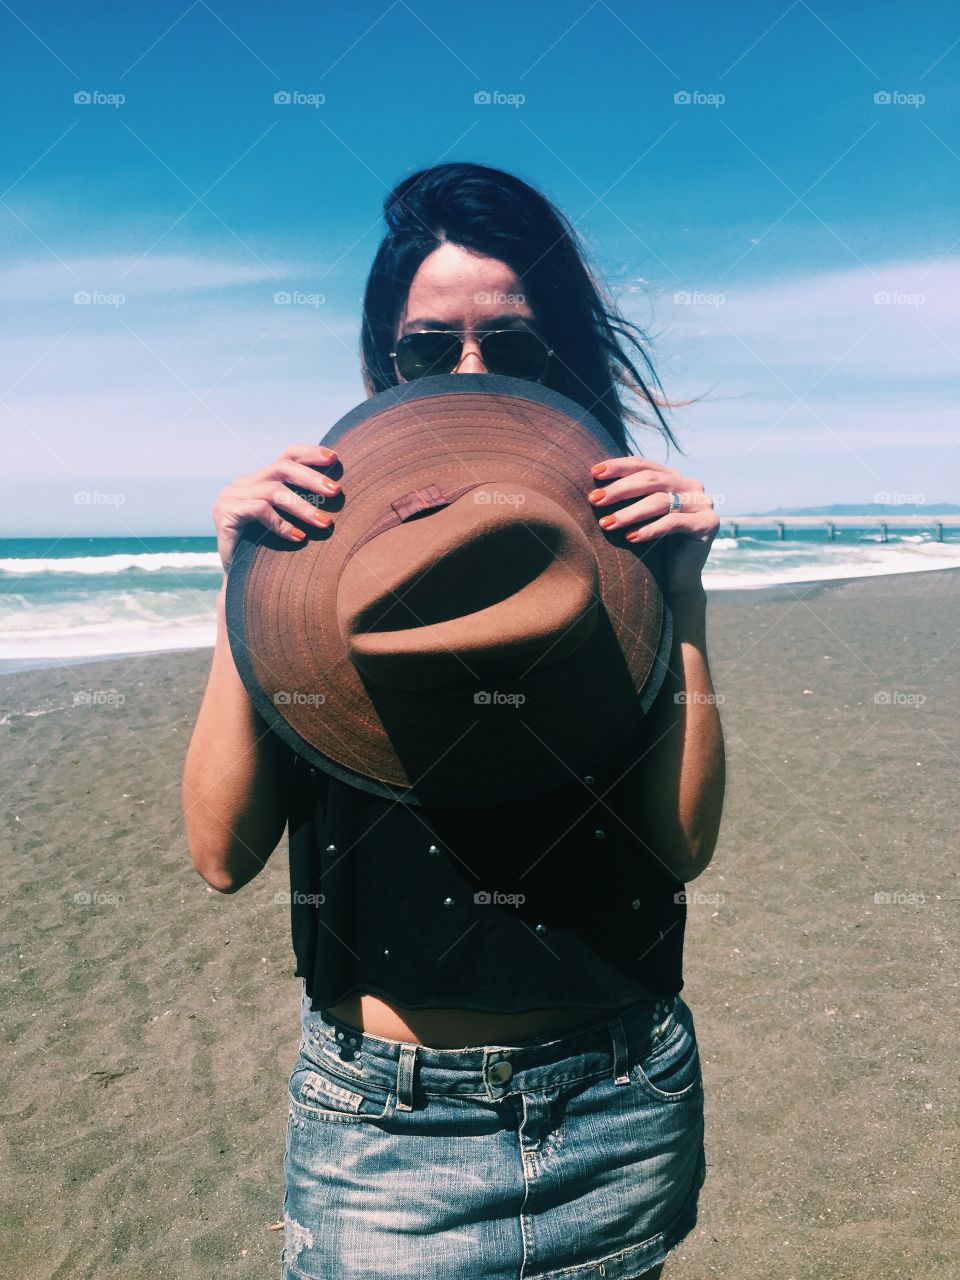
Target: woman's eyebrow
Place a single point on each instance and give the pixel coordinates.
(493, 322)
(421, 323)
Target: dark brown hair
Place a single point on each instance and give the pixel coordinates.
(486, 211)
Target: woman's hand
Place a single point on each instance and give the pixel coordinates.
(257, 497)
(651, 483)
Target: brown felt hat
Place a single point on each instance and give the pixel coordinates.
(465, 633)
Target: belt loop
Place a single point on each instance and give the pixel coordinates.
(620, 1051)
(408, 1057)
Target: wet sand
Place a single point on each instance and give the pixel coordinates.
(150, 1024)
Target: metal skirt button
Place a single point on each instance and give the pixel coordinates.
(500, 1072)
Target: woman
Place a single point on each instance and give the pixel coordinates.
(541, 1133)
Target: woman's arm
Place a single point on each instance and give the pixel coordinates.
(233, 779)
(681, 773)
(677, 784)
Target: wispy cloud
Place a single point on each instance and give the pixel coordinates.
(817, 388)
(163, 274)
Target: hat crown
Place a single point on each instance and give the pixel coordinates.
(496, 584)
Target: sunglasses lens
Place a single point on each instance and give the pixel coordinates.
(514, 353)
(421, 354)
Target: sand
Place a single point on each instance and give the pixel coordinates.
(150, 1024)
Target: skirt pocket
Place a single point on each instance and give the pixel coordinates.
(670, 1070)
(317, 1095)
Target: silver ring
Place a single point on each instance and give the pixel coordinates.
(676, 502)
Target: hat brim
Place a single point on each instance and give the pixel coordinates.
(445, 747)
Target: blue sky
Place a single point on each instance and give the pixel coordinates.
(789, 241)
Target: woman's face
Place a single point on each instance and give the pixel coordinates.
(455, 289)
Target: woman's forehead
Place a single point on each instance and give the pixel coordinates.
(452, 289)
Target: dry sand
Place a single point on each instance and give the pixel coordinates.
(149, 1030)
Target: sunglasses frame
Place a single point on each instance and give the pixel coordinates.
(462, 335)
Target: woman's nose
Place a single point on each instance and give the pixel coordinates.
(471, 361)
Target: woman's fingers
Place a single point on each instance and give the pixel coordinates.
(265, 494)
(695, 517)
(702, 527)
(637, 485)
(610, 468)
(280, 495)
(261, 510)
(313, 455)
(295, 473)
(646, 483)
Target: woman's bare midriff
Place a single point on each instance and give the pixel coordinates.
(458, 1028)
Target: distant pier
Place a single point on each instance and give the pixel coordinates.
(733, 524)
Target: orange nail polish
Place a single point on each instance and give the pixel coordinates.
(596, 494)
(598, 469)
(298, 534)
(607, 521)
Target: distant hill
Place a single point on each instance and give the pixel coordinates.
(867, 509)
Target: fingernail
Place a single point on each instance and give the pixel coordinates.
(598, 469)
(632, 537)
(595, 494)
(332, 486)
(607, 521)
(298, 534)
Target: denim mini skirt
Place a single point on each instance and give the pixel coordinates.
(545, 1160)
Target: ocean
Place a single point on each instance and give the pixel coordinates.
(76, 599)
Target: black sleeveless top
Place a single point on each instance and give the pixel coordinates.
(549, 902)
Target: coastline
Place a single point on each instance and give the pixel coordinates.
(817, 960)
(775, 590)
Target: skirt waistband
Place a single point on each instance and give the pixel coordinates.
(491, 1071)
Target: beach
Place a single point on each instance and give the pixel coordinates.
(150, 1023)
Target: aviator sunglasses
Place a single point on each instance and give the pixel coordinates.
(515, 353)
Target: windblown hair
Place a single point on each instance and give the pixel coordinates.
(597, 351)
